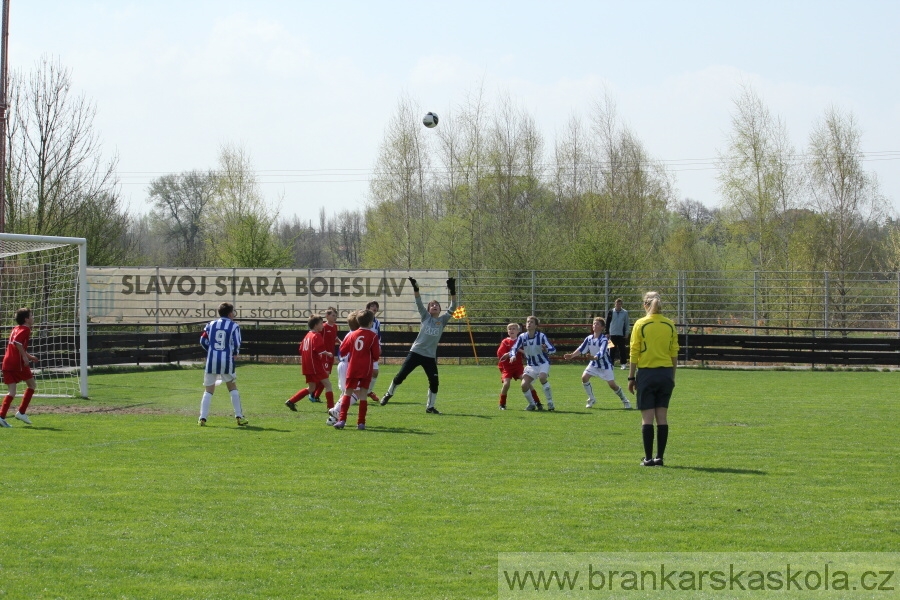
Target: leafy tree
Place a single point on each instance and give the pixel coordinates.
(243, 232)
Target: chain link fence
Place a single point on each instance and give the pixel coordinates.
(824, 301)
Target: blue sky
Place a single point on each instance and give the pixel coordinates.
(308, 87)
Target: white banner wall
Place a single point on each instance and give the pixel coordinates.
(159, 295)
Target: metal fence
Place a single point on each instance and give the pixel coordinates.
(824, 301)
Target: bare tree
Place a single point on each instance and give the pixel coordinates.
(400, 217)
(58, 182)
(848, 201)
(181, 214)
(629, 210)
(308, 244)
(516, 199)
(469, 162)
(575, 176)
(760, 181)
(345, 237)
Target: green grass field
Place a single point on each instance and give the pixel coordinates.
(123, 496)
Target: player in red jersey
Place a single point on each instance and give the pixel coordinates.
(314, 357)
(510, 369)
(363, 348)
(17, 366)
(329, 335)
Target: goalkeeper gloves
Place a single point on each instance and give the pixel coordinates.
(451, 285)
(414, 284)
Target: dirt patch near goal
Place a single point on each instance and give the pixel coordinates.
(126, 409)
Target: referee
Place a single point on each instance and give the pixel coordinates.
(654, 354)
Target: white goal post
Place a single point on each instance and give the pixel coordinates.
(48, 275)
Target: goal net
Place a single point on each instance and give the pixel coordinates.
(48, 275)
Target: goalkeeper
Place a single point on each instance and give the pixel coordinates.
(423, 352)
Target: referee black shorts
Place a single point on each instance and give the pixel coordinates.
(654, 387)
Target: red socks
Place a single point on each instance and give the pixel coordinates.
(363, 408)
(26, 400)
(329, 398)
(5, 407)
(299, 396)
(345, 406)
(502, 399)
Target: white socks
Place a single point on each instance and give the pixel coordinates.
(204, 405)
(590, 390)
(236, 403)
(432, 397)
(548, 393)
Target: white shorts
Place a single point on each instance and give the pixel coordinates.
(604, 374)
(210, 378)
(342, 375)
(536, 372)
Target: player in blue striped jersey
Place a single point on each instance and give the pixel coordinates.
(222, 341)
(596, 345)
(376, 327)
(537, 350)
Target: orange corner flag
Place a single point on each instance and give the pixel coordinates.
(460, 312)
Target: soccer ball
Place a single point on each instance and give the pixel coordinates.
(330, 421)
(430, 120)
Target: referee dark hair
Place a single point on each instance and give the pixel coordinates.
(654, 359)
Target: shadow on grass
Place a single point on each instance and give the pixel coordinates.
(721, 470)
(39, 428)
(258, 428)
(401, 430)
(450, 414)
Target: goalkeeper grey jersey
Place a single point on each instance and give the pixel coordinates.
(432, 328)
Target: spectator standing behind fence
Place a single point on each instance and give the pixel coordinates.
(423, 352)
(618, 328)
(654, 354)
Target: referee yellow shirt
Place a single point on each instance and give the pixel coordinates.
(654, 342)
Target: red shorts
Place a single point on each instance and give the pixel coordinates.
(357, 384)
(512, 373)
(17, 376)
(314, 378)
(328, 368)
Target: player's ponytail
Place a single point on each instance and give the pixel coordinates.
(652, 303)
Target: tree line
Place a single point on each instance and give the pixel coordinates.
(485, 190)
